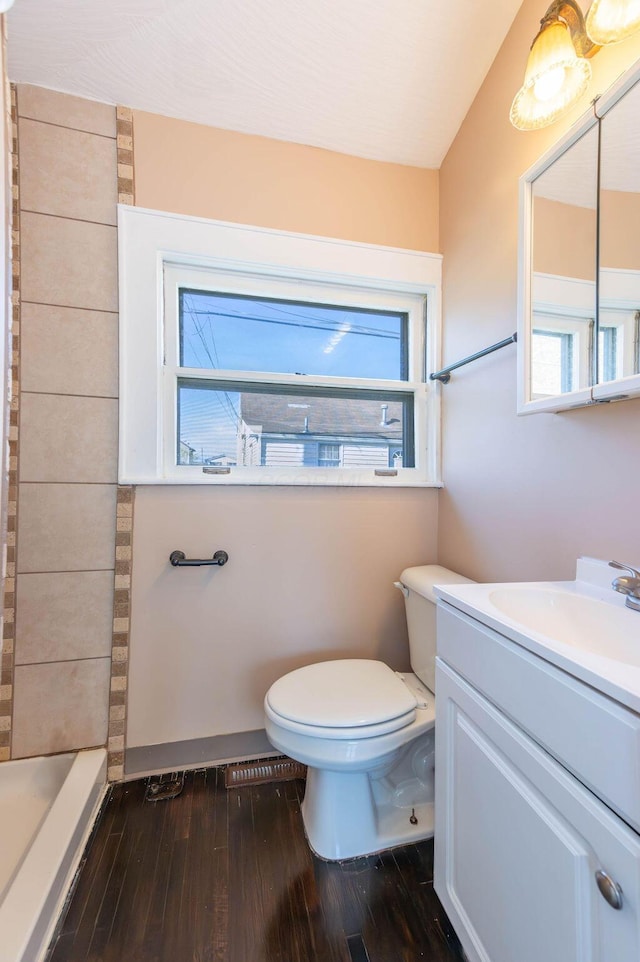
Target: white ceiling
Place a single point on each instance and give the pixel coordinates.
(386, 79)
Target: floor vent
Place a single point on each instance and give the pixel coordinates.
(259, 772)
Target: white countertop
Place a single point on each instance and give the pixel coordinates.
(618, 679)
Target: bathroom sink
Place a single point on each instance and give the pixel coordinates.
(583, 622)
(581, 626)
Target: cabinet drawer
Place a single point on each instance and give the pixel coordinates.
(592, 735)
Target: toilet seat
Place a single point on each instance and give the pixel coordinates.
(350, 698)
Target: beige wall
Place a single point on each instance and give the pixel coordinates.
(523, 496)
(620, 230)
(565, 236)
(564, 239)
(191, 169)
(311, 569)
(309, 577)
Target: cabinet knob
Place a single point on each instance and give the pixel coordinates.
(609, 889)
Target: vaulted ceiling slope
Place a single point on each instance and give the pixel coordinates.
(389, 80)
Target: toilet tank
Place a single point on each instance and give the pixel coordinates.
(420, 605)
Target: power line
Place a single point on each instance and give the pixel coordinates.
(362, 331)
(215, 363)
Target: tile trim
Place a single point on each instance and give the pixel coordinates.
(119, 684)
(7, 665)
(125, 155)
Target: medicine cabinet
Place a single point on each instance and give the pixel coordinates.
(579, 272)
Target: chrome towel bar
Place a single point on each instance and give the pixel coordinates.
(444, 376)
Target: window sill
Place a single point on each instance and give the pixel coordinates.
(227, 480)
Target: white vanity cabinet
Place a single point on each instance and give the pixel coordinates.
(521, 842)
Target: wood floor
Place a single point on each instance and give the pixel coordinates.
(227, 875)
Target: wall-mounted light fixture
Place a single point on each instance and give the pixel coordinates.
(558, 70)
(609, 21)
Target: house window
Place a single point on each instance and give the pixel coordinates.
(329, 455)
(275, 358)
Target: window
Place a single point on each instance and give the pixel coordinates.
(324, 405)
(561, 353)
(618, 343)
(562, 350)
(306, 369)
(329, 455)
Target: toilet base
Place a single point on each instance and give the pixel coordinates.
(350, 814)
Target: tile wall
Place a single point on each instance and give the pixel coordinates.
(67, 495)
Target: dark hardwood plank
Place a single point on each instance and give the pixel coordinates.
(416, 861)
(227, 876)
(151, 945)
(245, 897)
(355, 887)
(145, 826)
(90, 904)
(204, 914)
(405, 919)
(90, 863)
(297, 929)
(130, 841)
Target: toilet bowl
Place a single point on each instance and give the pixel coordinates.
(366, 734)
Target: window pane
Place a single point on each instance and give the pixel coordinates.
(232, 333)
(618, 344)
(551, 363)
(329, 455)
(234, 424)
(608, 354)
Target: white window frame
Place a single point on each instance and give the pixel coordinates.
(330, 444)
(159, 251)
(582, 329)
(625, 322)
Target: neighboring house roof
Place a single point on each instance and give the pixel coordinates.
(326, 416)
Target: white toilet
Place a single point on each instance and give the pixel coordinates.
(367, 736)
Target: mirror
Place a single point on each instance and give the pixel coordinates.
(579, 300)
(619, 308)
(563, 285)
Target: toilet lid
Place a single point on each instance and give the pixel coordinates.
(350, 693)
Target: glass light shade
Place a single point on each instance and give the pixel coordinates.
(609, 21)
(554, 80)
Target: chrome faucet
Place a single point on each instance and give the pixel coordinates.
(628, 585)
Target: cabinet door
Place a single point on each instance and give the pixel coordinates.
(519, 840)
